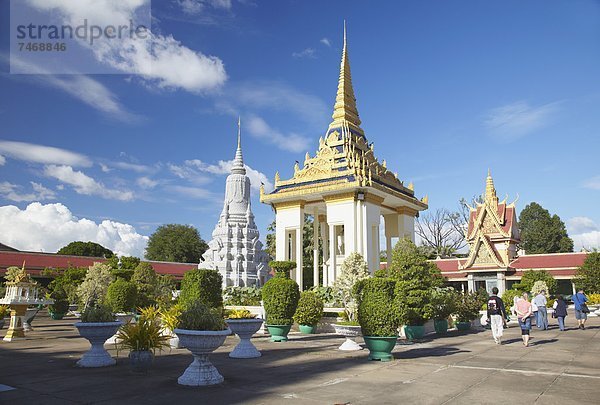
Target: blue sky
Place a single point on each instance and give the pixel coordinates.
(445, 90)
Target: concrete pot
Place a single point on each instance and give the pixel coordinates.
(201, 343)
(308, 329)
(245, 328)
(97, 333)
(413, 332)
(380, 347)
(56, 316)
(140, 361)
(124, 318)
(441, 326)
(349, 332)
(463, 325)
(279, 332)
(29, 317)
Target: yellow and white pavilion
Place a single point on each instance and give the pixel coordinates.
(347, 190)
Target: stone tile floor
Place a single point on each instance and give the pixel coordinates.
(558, 367)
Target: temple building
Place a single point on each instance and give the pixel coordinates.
(494, 259)
(235, 249)
(347, 190)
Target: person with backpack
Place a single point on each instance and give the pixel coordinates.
(581, 308)
(496, 314)
(560, 311)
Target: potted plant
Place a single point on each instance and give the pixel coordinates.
(308, 312)
(378, 317)
(120, 298)
(244, 324)
(60, 307)
(282, 266)
(142, 339)
(280, 298)
(201, 330)
(170, 320)
(443, 301)
(353, 269)
(467, 309)
(97, 325)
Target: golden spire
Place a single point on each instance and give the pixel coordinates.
(344, 110)
(490, 190)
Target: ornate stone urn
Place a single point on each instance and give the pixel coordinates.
(97, 333)
(201, 343)
(124, 318)
(245, 328)
(349, 332)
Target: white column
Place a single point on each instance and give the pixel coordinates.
(332, 255)
(325, 240)
(316, 248)
(501, 283)
(299, 256)
(470, 282)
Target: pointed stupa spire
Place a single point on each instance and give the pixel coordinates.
(344, 110)
(238, 161)
(490, 190)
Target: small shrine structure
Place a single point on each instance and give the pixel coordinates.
(235, 249)
(347, 190)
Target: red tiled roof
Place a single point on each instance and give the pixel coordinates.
(551, 260)
(36, 262)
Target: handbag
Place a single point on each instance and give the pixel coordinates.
(585, 309)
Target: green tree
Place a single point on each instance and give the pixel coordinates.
(145, 279)
(416, 279)
(587, 276)
(176, 243)
(201, 285)
(271, 240)
(541, 232)
(88, 249)
(531, 276)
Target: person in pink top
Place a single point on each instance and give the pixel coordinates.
(524, 317)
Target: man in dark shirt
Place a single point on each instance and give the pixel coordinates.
(496, 315)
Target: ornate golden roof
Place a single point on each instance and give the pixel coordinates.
(344, 158)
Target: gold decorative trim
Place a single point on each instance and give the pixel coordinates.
(284, 205)
(336, 198)
(407, 211)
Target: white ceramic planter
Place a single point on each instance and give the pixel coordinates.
(201, 343)
(245, 328)
(28, 318)
(124, 319)
(97, 333)
(349, 332)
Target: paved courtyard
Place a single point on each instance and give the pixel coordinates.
(558, 368)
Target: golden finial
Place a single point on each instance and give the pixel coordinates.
(384, 164)
(345, 113)
(262, 189)
(277, 178)
(411, 186)
(296, 167)
(425, 199)
(490, 190)
(307, 157)
(396, 174)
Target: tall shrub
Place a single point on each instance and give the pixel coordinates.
(146, 282)
(280, 298)
(376, 313)
(95, 285)
(310, 309)
(201, 286)
(354, 268)
(121, 296)
(416, 280)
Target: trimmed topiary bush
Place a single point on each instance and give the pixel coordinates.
(97, 313)
(280, 298)
(61, 304)
(200, 317)
(282, 266)
(202, 286)
(121, 296)
(310, 309)
(376, 313)
(146, 282)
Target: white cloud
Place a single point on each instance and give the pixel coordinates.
(224, 167)
(12, 192)
(193, 192)
(325, 41)
(30, 152)
(308, 53)
(584, 232)
(593, 183)
(135, 167)
(197, 6)
(83, 88)
(2, 160)
(292, 142)
(161, 60)
(83, 184)
(517, 119)
(146, 182)
(49, 227)
(281, 97)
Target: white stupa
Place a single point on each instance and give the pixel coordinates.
(235, 249)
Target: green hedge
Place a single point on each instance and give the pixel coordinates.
(201, 286)
(121, 296)
(282, 266)
(310, 309)
(377, 314)
(280, 298)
